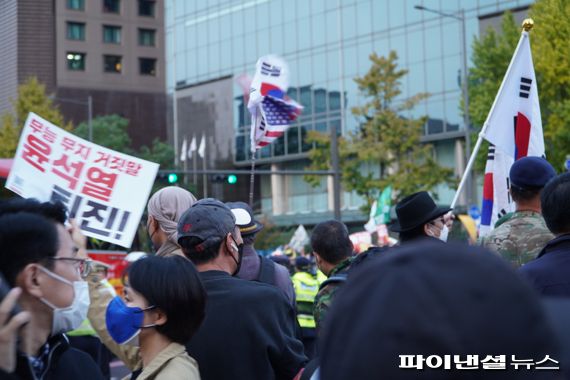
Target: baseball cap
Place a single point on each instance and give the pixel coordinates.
(208, 220)
(533, 172)
(247, 226)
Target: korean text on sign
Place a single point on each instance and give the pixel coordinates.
(95, 183)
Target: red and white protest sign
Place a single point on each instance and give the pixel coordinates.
(104, 190)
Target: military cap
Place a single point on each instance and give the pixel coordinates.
(531, 172)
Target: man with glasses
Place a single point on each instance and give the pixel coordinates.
(38, 255)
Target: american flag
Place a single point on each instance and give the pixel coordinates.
(272, 111)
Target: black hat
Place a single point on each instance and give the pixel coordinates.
(302, 262)
(249, 228)
(531, 172)
(209, 220)
(415, 210)
(433, 299)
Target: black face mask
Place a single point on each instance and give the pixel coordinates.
(240, 256)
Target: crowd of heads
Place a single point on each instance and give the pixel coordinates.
(421, 297)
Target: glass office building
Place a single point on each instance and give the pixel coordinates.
(326, 44)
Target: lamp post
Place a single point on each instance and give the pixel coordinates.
(89, 104)
(460, 16)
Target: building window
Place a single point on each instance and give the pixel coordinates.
(147, 66)
(146, 37)
(112, 64)
(111, 34)
(111, 6)
(75, 61)
(146, 8)
(77, 5)
(76, 31)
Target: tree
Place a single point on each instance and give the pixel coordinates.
(109, 131)
(32, 97)
(386, 148)
(550, 45)
(160, 152)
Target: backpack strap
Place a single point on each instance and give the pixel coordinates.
(266, 271)
(339, 278)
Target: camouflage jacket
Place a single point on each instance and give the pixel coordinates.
(325, 296)
(520, 238)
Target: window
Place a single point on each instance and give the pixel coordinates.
(111, 6)
(146, 8)
(76, 31)
(77, 5)
(112, 64)
(146, 37)
(147, 66)
(75, 61)
(111, 34)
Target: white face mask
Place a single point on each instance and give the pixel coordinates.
(69, 318)
(444, 233)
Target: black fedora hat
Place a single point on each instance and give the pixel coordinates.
(250, 228)
(415, 210)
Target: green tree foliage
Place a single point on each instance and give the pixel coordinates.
(32, 97)
(550, 46)
(160, 152)
(109, 131)
(386, 148)
(550, 41)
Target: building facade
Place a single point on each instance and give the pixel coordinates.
(109, 50)
(326, 44)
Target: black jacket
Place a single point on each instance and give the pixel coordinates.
(549, 273)
(248, 332)
(62, 362)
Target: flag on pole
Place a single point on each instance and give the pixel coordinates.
(202, 148)
(514, 128)
(192, 148)
(497, 201)
(272, 111)
(183, 150)
(380, 210)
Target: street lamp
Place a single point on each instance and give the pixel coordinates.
(460, 16)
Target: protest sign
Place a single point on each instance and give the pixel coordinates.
(104, 190)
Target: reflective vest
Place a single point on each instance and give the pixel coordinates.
(306, 289)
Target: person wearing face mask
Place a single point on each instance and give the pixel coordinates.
(37, 255)
(249, 328)
(164, 210)
(419, 217)
(163, 306)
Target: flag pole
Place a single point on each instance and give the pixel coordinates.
(527, 26)
(252, 179)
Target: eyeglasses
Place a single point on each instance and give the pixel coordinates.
(83, 266)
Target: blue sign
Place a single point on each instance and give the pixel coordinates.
(567, 165)
(474, 212)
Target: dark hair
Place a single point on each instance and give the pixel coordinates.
(190, 244)
(173, 285)
(248, 239)
(55, 211)
(330, 240)
(412, 234)
(25, 238)
(524, 194)
(555, 204)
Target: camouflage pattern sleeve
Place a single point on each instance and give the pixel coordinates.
(323, 302)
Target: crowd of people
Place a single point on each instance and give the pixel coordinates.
(206, 305)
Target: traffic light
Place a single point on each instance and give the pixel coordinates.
(232, 179)
(172, 178)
